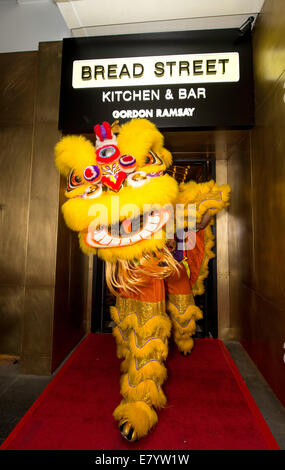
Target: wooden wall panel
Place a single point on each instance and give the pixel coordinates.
(240, 231)
(17, 88)
(17, 101)
(268, 175)
(269, 48)
(263, 337)
(43, 273)
(257, 212)
(43, 213)
(54, 299)
(15, 151)
(265, 332)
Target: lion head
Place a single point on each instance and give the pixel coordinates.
(117, 191)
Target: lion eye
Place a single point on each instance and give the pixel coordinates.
(74, 180)
(153, 159)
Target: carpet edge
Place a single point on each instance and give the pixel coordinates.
(36, 403)
(255, 411)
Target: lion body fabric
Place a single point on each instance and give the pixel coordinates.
(118, 184)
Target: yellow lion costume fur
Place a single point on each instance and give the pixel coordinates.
(124, 207)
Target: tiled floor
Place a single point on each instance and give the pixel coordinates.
(18, 392)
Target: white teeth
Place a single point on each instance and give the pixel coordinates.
(106, 240)
(145, 234)
(115, 242)
(89, 240)
(125, 241)
(97, 236)
(135, 238)
(102, 239)
(150, 227)
(154, 219)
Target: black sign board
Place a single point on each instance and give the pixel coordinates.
(189, 79)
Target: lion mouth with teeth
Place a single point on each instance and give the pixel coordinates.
(110, 237)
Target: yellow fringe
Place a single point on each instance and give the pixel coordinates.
(205, 197)
(141, 417)
(198, 288)
(151, 346)
(159, 325)
(184, 323)
(146, 391)
(153, 370)
(191, 312)
(130, 275)
(122, 345)
(208, 196)
(122, 351)
(185, 345)
(147, 350)
(184, 326)
(125, 364)
(188, 330)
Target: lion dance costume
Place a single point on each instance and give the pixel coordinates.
(119, 202)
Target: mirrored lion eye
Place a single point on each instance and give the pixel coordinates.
(74, 180)
(107, 154)
(139, 178)
(153, 159)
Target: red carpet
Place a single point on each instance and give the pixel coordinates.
(209, 405)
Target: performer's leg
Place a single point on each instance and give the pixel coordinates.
(141, 333)
(182, 310)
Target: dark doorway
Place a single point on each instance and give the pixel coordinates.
(183, 170)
